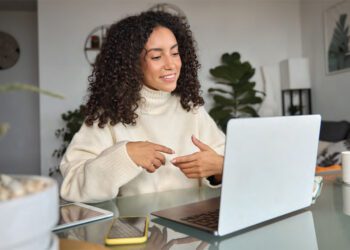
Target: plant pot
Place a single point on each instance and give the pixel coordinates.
(26, 222)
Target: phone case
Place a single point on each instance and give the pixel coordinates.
(132, 240)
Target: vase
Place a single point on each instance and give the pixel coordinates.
(27, 221)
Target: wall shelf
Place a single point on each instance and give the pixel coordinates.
(299, 101)
(93, 43)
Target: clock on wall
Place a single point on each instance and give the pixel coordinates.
(9, 51)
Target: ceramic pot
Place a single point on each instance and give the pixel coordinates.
(26, 222)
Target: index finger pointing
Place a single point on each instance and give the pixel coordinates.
(183, 159)
(163, 149)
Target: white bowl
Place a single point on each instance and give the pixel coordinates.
(26, 222)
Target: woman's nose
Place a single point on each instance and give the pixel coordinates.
(169, 63)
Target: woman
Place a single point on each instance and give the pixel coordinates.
(143, 116)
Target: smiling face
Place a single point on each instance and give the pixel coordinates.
(160, 60)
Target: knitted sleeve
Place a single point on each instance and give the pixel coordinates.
(211, 135)
(95, 166)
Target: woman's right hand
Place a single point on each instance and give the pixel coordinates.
(147, 154)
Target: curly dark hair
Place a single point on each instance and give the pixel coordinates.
(116, 79)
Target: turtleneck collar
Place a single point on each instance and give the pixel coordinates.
(153, 101)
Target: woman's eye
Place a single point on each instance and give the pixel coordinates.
(176, 54)
(155, 57)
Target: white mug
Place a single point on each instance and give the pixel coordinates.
(346, 199)
(345, 159)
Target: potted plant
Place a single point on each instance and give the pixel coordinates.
(237, 96)
(28, 212)
(73, 121)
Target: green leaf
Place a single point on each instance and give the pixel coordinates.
(27, 87)
(225, 83)
(249, 110)
(223, 123)
(342, 19)
(216, 108)
(230, 73)
(223, 72)
(223, 101)
(237, 100)
(233, 58)
(4, 127)
(250, 100)
(210, 90)
(218, 114)
(243, 88)
(73, 121)
(249, 73)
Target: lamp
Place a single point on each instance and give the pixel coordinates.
(295, 73)
(295, 80)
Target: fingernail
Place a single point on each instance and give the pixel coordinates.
(173, 151)
(173, 161)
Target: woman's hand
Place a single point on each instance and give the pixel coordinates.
(157, 239)
(185, 240)
(147, 154)
(204, 163)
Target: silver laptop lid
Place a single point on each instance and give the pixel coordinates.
(269, 169)
(293, 233)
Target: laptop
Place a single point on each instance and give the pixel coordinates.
(283, 234)
(269, 170)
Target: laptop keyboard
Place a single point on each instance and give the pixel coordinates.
(209, 219)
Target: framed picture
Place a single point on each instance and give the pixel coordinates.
(337, 37)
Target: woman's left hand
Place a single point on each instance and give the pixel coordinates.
(204, 163)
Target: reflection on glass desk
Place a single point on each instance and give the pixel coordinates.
(325, 226)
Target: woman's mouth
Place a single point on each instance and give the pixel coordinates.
(169, 77)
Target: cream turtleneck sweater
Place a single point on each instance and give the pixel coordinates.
(97, 167)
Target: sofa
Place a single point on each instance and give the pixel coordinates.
(333, 131)
(334, 138)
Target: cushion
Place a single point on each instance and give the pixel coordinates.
(332, 154)
(334, 131)
(322, 145)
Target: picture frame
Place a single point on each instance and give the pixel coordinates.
(337, 37)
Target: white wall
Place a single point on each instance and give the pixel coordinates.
(330, 93)
(264, 32)
(19, 149)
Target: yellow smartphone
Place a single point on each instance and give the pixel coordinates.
(128, 230)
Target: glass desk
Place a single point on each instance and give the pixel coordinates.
(325, 226)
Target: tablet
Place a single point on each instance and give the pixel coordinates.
(73, 214)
